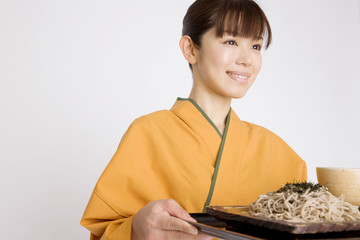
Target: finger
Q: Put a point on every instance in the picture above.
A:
(176, 224)
(174, 209)
(177, 235)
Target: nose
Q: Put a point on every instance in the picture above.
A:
(244, 57)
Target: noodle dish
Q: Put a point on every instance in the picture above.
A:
(304, 203)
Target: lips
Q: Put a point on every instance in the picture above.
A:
(241, 77)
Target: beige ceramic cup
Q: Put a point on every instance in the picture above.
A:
(341, 181)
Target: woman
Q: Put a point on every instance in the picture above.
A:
(198, 153)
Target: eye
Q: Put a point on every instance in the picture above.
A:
(231, 42)
(257, 47)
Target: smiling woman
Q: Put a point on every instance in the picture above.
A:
(224, 67)
(176, 161)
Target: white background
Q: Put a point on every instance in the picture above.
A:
(75, 73)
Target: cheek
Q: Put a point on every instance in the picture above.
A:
(218, 58)
(257, 63)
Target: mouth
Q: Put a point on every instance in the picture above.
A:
(241, 77)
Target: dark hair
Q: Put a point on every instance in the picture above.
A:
(236, 17)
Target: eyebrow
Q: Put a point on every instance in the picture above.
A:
(231, 34)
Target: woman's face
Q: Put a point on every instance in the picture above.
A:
(227, 66)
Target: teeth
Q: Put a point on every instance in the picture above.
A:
(237, 76)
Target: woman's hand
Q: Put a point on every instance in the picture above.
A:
(164, 219)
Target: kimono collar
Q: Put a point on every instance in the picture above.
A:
(191, 113)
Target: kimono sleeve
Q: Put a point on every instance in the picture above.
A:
(292, 165)
(103, 222)
(121, 190)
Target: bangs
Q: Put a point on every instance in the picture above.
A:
(244, 19)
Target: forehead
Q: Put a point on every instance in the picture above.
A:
(244, 20)
(240, 25)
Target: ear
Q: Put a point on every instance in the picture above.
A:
(188, 49)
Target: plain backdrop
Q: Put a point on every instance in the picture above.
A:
(75, 73)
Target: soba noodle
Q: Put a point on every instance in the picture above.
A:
(304, 206)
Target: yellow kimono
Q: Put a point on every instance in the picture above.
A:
(180, 154)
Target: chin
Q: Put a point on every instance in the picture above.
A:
(237, 92)
(238, 95)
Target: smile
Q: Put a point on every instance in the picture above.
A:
(237, 75)
(240, 77)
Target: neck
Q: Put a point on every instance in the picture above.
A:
(216, 107)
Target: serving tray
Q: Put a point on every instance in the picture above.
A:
(235, 216)
(222, 233)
